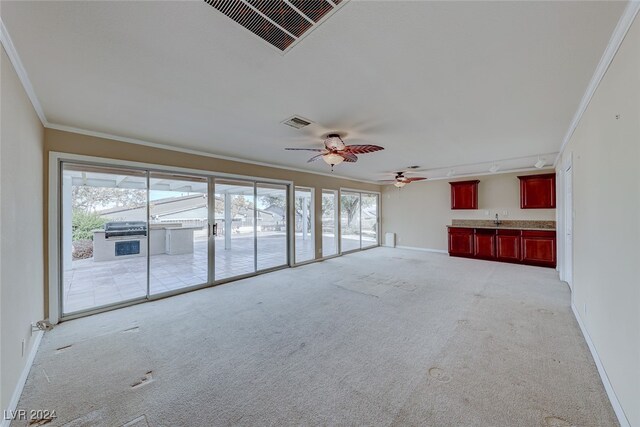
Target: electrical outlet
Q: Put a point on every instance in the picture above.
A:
(505, 213)
(487, 213)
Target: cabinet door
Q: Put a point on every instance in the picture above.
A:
(461, 241)
(464, 194)
(539, 248)
(538, 191)
(508, 246)
(485, 244)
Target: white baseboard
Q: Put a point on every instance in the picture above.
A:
(411, 248)
(622, 418)
(17, 392)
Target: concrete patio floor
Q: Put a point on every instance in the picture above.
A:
(89, 284)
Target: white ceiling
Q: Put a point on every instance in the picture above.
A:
(438, 84)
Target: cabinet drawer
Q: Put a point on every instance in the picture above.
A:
(539, 233)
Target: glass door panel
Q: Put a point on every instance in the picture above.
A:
(305, 239)
(271, 237)
(235, 241)
(329, 223)
(178, 232)
(104, 236)
(349, 221)
(369, 220)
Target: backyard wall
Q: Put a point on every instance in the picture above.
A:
(419, 212)
(605, 153)
(21, 228)
(75, 143)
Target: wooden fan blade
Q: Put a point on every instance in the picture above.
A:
(314, 158)
(306, 149)
(362, 149)
(416, 178)
(348, 157)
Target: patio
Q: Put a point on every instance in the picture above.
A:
(89, 284)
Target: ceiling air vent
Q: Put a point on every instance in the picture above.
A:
(253, 21)
(314, 9)
(297, 122)
(280, 23)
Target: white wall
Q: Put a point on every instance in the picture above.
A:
(420, 212)
(21, 227)
(606, 226)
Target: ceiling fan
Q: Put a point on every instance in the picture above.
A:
(401, 180)
(335, 151)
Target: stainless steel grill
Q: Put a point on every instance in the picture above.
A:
(125, 228)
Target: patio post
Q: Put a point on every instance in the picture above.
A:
(67, 213)
(227, 220)
(305, 212)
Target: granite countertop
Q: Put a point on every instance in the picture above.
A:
(506, 224)
(501, 227)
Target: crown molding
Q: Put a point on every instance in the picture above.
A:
(103, 135)
(619, 33)
(12, 53)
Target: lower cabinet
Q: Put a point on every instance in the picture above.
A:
(461, 241)
(539, 248)
(484, 243)
(508, 245)
(533, 247)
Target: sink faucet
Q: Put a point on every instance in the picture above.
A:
(497, 222)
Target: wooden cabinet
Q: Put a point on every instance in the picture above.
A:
(532, 247)
(461, 241)
(464, 194)
(539, 248)
(538, 191)
(508, 245)
(484, 243)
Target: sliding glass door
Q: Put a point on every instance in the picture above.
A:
(235, 232)
(358, 220)
(250, 226)
(178, 231)
(130, 234)
(349, 221)
(271, 228)
(104, 234)
(329, 222)
(369, 220)
(304, 220)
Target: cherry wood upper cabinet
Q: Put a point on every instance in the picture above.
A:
(538, 191)
(464, 194)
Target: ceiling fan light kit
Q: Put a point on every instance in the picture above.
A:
(399, 184)
(335, 151)
(333, 159)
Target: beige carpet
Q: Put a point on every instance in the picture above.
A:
(381, 337)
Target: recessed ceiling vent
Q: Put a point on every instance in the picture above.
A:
(297, 122)
(281, 23)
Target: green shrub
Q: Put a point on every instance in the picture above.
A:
(83, 224)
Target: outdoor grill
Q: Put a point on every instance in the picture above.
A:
(125, 228)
